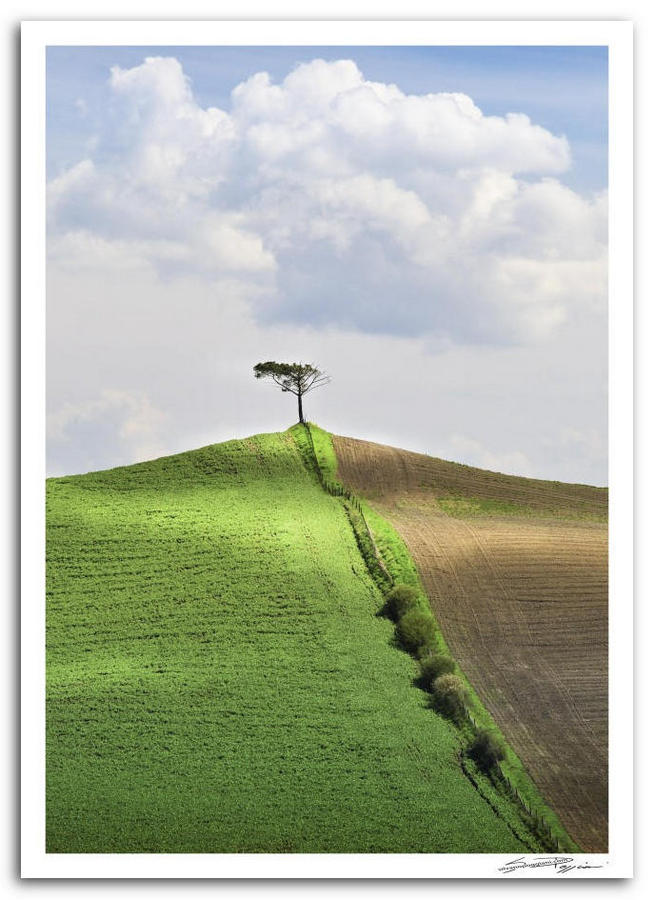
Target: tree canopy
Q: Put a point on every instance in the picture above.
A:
(295, 378)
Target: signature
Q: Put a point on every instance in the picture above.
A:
(561, 864)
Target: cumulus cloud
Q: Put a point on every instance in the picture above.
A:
(334, 219)
(340, 201)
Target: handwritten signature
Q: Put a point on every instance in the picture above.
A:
(561, 864)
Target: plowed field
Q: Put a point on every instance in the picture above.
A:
(516, 571)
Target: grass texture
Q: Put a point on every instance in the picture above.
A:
(477, 507)
(218, 680)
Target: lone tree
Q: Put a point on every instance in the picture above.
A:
(296, 378)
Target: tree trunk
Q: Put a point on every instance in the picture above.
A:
(300, 415)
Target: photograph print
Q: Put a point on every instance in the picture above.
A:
(371, 616)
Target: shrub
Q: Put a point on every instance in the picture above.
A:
(432, 666)
(431, 648)
(449, 696)
(415, 629)
(487, 750)
(400, 600)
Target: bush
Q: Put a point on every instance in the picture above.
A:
(449, 696)
(487, 750)
(432, 648)
(432, 666)
(400, 600)
(415, 629)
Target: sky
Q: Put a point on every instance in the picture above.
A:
(426, 224)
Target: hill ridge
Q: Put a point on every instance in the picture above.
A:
(389, 447)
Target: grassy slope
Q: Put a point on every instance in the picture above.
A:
(400, 565)
(218, 680)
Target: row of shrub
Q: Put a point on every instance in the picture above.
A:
(416, 631)
(416, 628)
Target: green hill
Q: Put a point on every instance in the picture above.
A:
(218, 679)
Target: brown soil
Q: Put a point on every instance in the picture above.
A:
(522, 602)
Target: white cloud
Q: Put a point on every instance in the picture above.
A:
(332, 219)
(376, 124)
(125, 421)
(75, 180)
(185, 347)
(221, 244)
(337, 194)
(471, 452)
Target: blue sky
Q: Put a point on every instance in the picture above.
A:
(427, 224)
(562, 88)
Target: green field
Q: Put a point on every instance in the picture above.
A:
(479, 507)
(218, 678)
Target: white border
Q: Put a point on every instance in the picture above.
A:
(35, 37)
